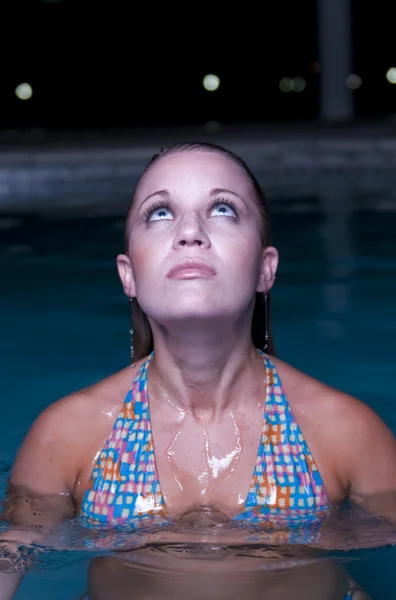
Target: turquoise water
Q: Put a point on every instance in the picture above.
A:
(64, 323)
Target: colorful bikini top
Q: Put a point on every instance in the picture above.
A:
(286, 488)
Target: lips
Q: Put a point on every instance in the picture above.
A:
(191, 268)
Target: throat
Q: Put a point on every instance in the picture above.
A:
(209, 390)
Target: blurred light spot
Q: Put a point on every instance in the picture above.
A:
(286, 84)
(24, 91)
(391, 75)
(299, 84)
(353, 81)
(211, 82)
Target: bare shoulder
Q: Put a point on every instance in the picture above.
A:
(63, 440)
(333, 407)
(349, 430)
(66, 431)
(72, 414)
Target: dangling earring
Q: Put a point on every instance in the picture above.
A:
(266, 312)
(132, 349)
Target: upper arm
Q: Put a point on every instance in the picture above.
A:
(41, 482)
(368, 450)
(39, 493)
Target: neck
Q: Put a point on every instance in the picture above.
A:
(204, 371)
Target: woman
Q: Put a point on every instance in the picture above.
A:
(228, 425)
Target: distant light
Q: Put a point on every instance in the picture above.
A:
(353, 81)
(299, 84)
(391, 75)
(286, 84)
(24, 91)
(211, 82)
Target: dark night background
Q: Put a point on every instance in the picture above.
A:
(116, 65)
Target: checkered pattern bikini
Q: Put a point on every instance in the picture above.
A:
(286, 488)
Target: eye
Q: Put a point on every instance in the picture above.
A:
(158, 212)
(226, 208)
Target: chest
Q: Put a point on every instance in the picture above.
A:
(156, 462)
(201, 463)
(243, 462)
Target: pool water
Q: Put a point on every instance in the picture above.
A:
(64, 323)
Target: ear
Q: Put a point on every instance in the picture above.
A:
(125, 272)
(268, 267)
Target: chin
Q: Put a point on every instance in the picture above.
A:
(190, 307)
(189, 315)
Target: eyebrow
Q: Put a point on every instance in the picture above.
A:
(164, 193)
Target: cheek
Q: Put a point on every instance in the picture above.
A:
(146, 258)
(142, 261)
(244, 253)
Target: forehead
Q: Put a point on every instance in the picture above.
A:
(193, 172)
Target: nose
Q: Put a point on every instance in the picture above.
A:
(191, 232)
